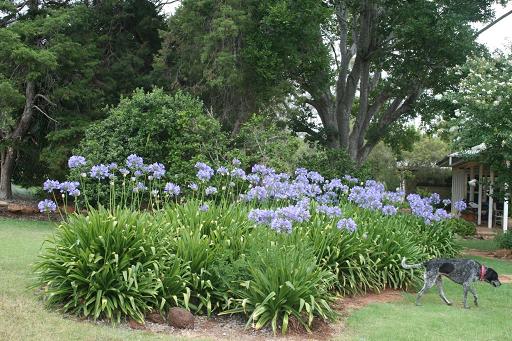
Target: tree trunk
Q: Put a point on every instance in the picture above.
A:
(6, 169)
(20, 130)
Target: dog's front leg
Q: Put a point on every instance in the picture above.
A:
(466, 287)
(475, 296)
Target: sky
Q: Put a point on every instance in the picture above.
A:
(500, 35)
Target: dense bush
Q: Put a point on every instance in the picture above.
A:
(504, 240)
(272, 246)
(461, 227)
(169, 129)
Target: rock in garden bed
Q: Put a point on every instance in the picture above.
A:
(180, 318)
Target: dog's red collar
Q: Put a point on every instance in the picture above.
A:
(483, 270)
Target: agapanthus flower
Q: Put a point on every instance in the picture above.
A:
(113, 166)
(68, 186)
(389, 210)
(134, 161)
(75, 193)
(281, 225)
(124, 171)
(347, 224)
(331, 211)
(447, 202)
(256, 193)
(236, 162)
(253, 178)
(222, 170)
(204, 208)
(238, 173)
(172, 189)
(193, 186)
(460, 205)
(261, 216)
(51, 185)
(46, 206)
(435, 198)
(210, 190)
(315, 177)
(154, 192)
(99, 172)
(351, 179)
(76, 161)
(138, 173)
(139, 187)
(157, 170)
(204, 172)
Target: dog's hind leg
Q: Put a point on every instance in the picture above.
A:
(475, 296)
(439, 284)
(466, 287)
(430, 280)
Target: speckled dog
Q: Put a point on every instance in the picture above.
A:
(461, 271)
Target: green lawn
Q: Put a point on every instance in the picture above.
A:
(479, 244)
(23, 316)
(434, 320)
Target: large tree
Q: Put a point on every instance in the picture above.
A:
(61, 63)
(361, 65)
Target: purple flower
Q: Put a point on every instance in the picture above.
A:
(113, 166)
(447, 202)
(222, 170)
(348, 224)
(238, 173)
(264, 217)
(134, 161)
(75, 193)
(281, 225)
(236, 162)
(68, 186)
(76, 161)
(435, 198)
(389, 210)
(99, 172)
(331, 211)
(139, 187)
(51, 185)
(193, 186)
(124, 171)
(204, 172)
(204, 208)
(253, 178)
(157, 170)
(172, 189)
(46, 206)
(351, 179)
(210, 190)
(315, 177)
(460, 205)
(257, 193)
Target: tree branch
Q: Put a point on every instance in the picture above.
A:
(492, 23)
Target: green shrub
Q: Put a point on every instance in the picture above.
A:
(461, 227)
(173, 130)
(108, 265)
(504, 240)
(331, 163)
(284, 281)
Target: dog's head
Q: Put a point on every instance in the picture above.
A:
(491, 277)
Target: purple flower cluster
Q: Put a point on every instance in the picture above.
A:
(76, 161)
(46, 206)
(134, 161)
(51, 185)
(282, 219)
(460, 205)
(70, 187)
(330, 211)
(210, 190)
(422, 207)
(156, 170)
(172, 189)
(99, 172)
(204, 172)
(347, 223)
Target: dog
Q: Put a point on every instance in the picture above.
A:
(461, 271)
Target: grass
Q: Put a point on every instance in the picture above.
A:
(23, 316)
(479, 244)
(434, 320)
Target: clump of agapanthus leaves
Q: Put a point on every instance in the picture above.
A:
(278, 200)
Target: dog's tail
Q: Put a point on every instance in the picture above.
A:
(410, 266)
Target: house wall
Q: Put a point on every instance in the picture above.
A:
(459, 185)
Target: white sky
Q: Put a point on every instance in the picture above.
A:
(500, 35)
